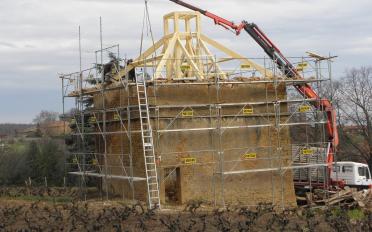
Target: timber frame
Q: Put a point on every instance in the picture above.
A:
(183, 52)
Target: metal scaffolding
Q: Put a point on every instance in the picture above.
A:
(94, 121)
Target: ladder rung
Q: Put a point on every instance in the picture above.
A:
(155, 183)
(147, 145)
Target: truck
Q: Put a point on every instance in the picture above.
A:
(353, 174)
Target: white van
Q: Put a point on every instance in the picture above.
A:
(354, 174)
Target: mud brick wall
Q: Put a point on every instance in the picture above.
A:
(207, 147)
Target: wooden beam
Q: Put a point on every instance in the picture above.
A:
(211, 57)
(190, 61)
(244, 60)
(169, 50)
(142, 57)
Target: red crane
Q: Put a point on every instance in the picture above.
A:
(283, 64)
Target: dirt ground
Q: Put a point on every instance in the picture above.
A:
(53, 215)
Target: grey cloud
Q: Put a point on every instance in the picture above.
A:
(7, 45)
(39, 38)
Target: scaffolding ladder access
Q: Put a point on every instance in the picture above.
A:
(147, 143)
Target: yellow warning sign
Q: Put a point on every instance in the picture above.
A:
(250, 156)
(305, 108)
(92, 120)
(245, 66)
(116, 117)
(248, 110)
(185, 67)
(187, 113)
(302, 66)
(75, 161)
(95, 162)
(73, 121)
(189, 161)
(307, 151)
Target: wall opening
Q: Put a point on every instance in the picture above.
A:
(172, 183)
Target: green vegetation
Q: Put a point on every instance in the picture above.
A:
(36, 160)
(18, 147)
(336, 212)
(356, 214)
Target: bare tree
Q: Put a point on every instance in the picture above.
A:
(45, 117)
(355, 111)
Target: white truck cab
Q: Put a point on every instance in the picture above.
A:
(354, 174)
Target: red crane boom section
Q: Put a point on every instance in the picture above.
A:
(289, 70)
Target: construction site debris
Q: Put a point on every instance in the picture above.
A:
(349, 197)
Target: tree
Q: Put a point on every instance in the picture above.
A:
(355, 111)
(31, 157)
(37, 159)
(46, 116)
(49, 161)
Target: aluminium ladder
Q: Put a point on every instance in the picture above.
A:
(153, 196)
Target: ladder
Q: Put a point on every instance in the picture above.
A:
(153, 196)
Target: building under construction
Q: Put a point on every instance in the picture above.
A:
(191, 119)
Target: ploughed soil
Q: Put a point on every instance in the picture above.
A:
(43, 211)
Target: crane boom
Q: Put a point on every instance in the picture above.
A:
(283, 64)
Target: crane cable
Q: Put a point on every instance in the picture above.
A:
(146, 24)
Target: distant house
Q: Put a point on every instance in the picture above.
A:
(54, 129)
(51, 129)
(29, 132)
(3, 137)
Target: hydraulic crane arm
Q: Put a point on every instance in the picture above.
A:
(283, 64)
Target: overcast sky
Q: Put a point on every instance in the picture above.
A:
(39, 38)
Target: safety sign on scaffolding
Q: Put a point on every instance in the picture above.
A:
(185, 67)
(302, 66)
(116, 117)
(250, 156)
(95, 162)
(187, 113)
(92, 120)
(248, 110)
(307, 151)
(304, 108)
(189, 161)
(245, 66)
